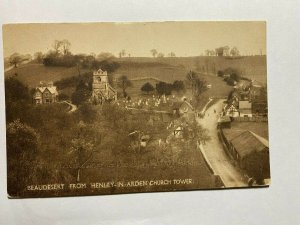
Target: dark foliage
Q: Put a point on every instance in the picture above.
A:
(220, 73)
(82, 93)
(147, 87)
(178, 85)
(164, 88)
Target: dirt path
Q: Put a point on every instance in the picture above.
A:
(218, 159)
(73, 107)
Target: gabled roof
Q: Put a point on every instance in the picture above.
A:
(246, 142)
(177, 105)
(51, 89)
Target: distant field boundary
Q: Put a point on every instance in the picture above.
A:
(147, 78)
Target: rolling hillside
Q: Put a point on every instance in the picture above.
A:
(31, 74)
(253, 67)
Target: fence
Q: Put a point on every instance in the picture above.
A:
(251, 119)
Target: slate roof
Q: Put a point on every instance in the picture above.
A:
(177, 105)
(246, 142)
(52, 89)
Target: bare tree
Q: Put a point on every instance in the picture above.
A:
(56, 46)
(153, 52)
(65, 44)
(171, 54)
(226, 50)
(122, 53)
(234, 51)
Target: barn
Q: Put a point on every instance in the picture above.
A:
(250, 151)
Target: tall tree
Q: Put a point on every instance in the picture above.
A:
(15, 59)
(56, 46)
(124, 83)
(66, 45)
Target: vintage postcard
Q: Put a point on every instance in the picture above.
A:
(111, 108)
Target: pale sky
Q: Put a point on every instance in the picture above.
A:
(183, 38)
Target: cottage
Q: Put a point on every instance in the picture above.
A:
(245, 109)
(231, 110)
(45, 93)
(250, 151)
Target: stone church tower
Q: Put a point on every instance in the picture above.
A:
(102, 91)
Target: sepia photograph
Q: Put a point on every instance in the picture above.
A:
(115, 108)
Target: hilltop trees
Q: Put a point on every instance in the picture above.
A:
(172, 54)
(39, 56)
(153, 52)
(122, 53)
(160, 55)
(15, 59)
(234, 51)
(223, 51)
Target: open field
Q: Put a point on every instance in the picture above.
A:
(31, 74)
(253, 67)
(162, 71)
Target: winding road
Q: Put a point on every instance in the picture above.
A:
(217, 157)
(73, 107)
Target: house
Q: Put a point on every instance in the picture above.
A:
(102, 90)
(182, 108)
(250, 151)
(45, 93)
(231, 110)
(245, 109)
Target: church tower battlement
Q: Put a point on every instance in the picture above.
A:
(101, 88)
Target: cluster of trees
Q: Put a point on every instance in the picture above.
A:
(157, 54)
(16, 59)
(232, 76)
(163, 88)
(223, 51)
(45, 144)
(61, 55)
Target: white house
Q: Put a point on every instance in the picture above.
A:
(245, 109)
